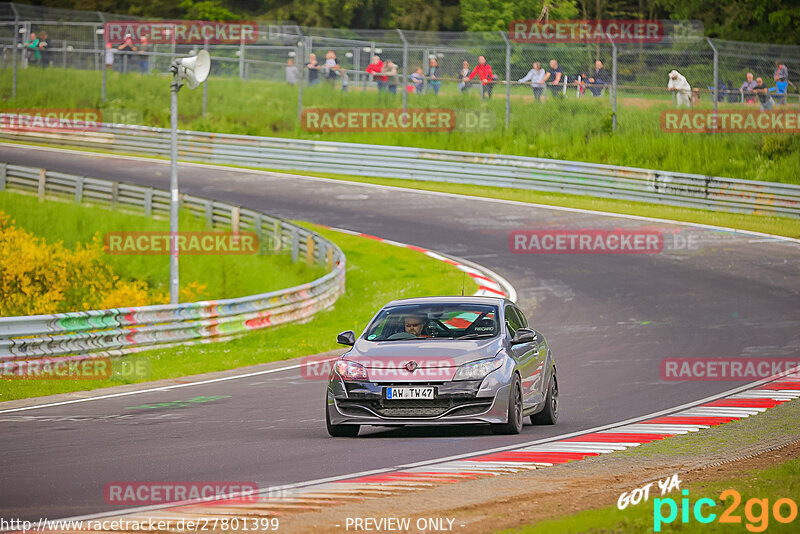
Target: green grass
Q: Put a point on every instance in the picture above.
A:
(225, 276)
(376, 274)
(772, 483)
(781, 481)
(567, 129)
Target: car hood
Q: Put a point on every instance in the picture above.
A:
(431, 359)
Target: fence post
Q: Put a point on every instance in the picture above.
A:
(148, 202)
(716, 81)
(79, 190)
(405, 75)
(369, 60)
(3, 175)
(295, 245)
(301, 68)
(42, 184)
(14, 50)
(205, 82)
(613, 93)
(63, 53)
(508, 77)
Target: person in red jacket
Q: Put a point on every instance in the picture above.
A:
(374, 68)
(484, 72)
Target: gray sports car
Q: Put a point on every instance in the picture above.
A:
(443, 360)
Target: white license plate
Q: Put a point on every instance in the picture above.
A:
(410, 393)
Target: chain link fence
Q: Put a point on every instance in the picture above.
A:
(607, 74)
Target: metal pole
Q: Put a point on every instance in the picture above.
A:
(716, 81)
(103, 86)
(613, 84)
(14, 60)
(369, 60)
(405, 73)
(241, 58)
(205, 84)
(300, 61)
(425, 58)
(173, 186)
(508, 78)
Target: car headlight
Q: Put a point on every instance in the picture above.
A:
(351, 370)
(477, 370)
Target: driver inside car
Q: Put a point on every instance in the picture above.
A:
(414, 325)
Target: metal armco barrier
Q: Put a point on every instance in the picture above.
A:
(605, 181)
(116, 332)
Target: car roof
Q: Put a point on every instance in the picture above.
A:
(496, 301)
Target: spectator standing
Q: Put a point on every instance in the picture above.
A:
(128, 48)
(32, 51)
(144, 55)
(390, 71)
(434, 76)
(484, 73)
(536, 77)
(292, 72)
(331, 66)
(678, 83)
(746, 89)
(555, 73)
(781, 81)
(44, 49)
(417, 81)
(599, 78)
(375, 68)
(463, 85)
(109, 56)
(763, 95)
(313, 69)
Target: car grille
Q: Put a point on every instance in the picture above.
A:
(414, 408)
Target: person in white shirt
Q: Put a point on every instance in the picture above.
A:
(678, 83)
(536, 77)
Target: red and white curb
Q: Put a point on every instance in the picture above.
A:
(738, 404)
(490, 284)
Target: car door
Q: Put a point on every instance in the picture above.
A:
(524, 354)
(538, 360)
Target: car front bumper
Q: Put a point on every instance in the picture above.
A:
(456, 403)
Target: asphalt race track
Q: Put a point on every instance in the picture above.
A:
(610, 319)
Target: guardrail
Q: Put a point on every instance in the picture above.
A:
(116, 332)
(605, 181)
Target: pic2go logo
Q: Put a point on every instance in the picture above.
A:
(756, 511)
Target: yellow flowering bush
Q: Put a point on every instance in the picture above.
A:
(37, 277)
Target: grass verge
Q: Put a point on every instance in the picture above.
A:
(376, 274)
(775, 482)
(569, 129)
(225, 276)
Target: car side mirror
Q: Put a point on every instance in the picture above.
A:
(348, 337)
(525, 335)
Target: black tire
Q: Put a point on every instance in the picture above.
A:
(549, 415)
(340, 431)
(515, 419)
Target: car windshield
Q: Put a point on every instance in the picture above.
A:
(434, 321)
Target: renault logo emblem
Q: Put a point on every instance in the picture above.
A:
(411, 366)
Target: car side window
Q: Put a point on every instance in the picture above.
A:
(512, 320)
(522, 320)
